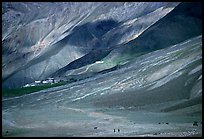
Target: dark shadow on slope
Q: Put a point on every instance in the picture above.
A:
(182, 23)
(90, 34)
(185, 104)
(89, 58)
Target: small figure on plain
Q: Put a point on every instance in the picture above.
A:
(114, 130)
(118, 130)
(195, 123)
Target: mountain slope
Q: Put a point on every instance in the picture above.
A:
(182, 23)
(35, 45)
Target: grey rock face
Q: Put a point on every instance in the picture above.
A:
(40, 38)
(67, 36)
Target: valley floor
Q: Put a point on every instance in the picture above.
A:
(70, 121)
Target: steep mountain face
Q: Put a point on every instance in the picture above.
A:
(36, 45)
(182, 23)
(57, 43)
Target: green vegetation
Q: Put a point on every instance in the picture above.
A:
(27, 90)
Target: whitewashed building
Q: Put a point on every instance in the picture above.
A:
(44, 82)
(37, 82)
(27, 85)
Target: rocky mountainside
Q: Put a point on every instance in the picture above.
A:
(68, 39)
(170, 30)
(41, 38)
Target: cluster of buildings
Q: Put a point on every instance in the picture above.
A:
(38, 82)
